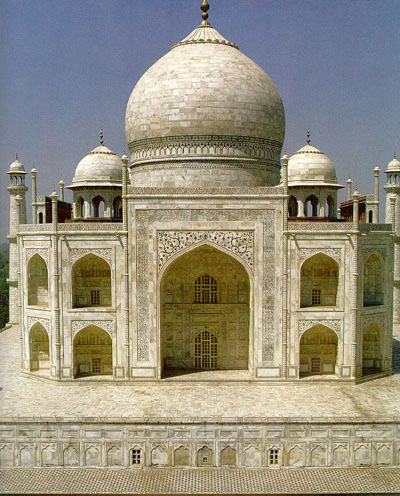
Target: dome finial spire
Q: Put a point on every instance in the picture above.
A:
(101, 137)
(16, 156)
(204, 7)
(308, 137)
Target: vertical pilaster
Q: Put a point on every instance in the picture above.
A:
(376, 194)
(396, 271)
(354, 286)
(55, 294)
(126, 263)
(34, 195)
(285, 160)
(17, 261)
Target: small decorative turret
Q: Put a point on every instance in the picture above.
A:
(17, 190)
(392, 186)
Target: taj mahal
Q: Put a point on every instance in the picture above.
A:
(207, 254)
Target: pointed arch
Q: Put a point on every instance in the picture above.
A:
(39, 348)
(38, 283)
(318, 351)
(98, 204)
(330, 207)
(92, 352)
(117, 208)
(374, 281)
(91, 282)
(311, 206)
(319, 278)
(293, 207)
(372, 349)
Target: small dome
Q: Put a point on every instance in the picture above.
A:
(394, 164)
(100, 167)
(310, 167)
(16, 166)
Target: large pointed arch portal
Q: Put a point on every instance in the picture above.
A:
(204, 314)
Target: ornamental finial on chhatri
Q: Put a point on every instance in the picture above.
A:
(16, 156)
(308, 137)
(101, 137)
(204, 7)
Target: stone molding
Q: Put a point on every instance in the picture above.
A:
(194, 146)
(239, 242)
(77, 253)
(335, 253)
(91, 226)
(378, 318)
(233, 191)
(106, 325)
(34, 320)
(320, 226)
(144, 218)
(42, 252)
(333, 324)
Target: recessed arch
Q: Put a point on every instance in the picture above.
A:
(92, 352)
(79, 207)
(373, 293)
(39, 348)
(372, 349)
(318, 351)
(38, 282)
(117, 208)
(311, 206)
(91, 282)
(292, 207)
(226, 316)
(319, 278)
(98, 204)
(330, 207)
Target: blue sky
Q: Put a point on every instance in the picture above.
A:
(68, 67)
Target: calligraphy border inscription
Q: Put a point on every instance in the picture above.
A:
(144, 218)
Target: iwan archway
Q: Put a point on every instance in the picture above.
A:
(204, 312)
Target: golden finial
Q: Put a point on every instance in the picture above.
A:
(308, 137)
(101, 137)
(16, 156)
(204, 7)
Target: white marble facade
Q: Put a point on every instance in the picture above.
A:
(278, 290)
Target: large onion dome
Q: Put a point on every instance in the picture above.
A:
(205, 115)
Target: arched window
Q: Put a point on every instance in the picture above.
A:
(38, 282)
(370, 217)
(330, 207)
(311, 206)
(91, 282)
(318, 351)
(79, 207)
(205, 351)
(319, 281)
(98, 206)
(205, 289)
(372, 360)
(39, 348)
(92, 352)
(293, 207)
(117, 208)
(373, 281)
(40, 218)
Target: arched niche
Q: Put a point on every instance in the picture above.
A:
(204, 303)
(91, 282)
(319, 281)
(39, 349)
(318, 351)
(373, 281)
(372, 349)
(292, 207)
(117, 208)
(79, 207)
(38, 282)
(98, 204)
(330, 207)
(92, 350)
(311, 206)
(40, 218)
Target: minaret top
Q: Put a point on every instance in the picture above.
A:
(204, 7)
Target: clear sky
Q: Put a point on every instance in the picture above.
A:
(68, 67)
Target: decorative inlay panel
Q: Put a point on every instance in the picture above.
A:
(78, 325)
(34, 320)
(43, 252)
(144, 218)
(378, 318)
(235, 191)
(76, 253)
(335, 253)
(334, 324)
(238, 242)
(213, 146)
